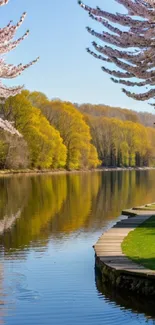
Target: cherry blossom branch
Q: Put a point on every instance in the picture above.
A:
(132, 49)
(8, 70)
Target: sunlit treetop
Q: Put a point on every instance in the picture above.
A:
(131, 46)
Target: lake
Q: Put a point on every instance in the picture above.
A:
(47, 264)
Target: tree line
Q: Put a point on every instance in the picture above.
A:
(145, 118)
(53, 135)
(57, 134)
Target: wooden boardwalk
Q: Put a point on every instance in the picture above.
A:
(108, 247)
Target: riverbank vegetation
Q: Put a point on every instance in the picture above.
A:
(57, 134)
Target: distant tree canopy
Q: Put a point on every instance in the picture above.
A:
(120, 143)
(107, 111)
(145, 118)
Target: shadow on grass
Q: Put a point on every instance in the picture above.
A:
(148, 263)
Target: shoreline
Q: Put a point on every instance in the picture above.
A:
(114, 266)
(12, 172)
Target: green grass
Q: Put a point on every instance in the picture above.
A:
(139, 245)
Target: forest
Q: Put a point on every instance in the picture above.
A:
(60, 135)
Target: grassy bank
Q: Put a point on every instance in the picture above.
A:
(139, 245)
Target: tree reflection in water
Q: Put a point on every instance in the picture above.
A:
(52, 206)
(136, 303)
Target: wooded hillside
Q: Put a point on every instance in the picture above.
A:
(57, 134)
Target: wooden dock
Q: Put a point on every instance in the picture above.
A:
(108, 248)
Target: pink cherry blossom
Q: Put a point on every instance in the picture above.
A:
(128, 43)
(9, 71)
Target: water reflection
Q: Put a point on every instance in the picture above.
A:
(135, 303)
(82, 191)
(45, 206)
(44, 197)
(57, 218)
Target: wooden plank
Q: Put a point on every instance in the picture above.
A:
(108, 247)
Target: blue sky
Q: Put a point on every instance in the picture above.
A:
(59, 37)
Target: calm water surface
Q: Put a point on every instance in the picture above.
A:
(47, 271)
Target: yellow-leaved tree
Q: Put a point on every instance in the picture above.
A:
(75, 133)
(73, 130)
(45, 144)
